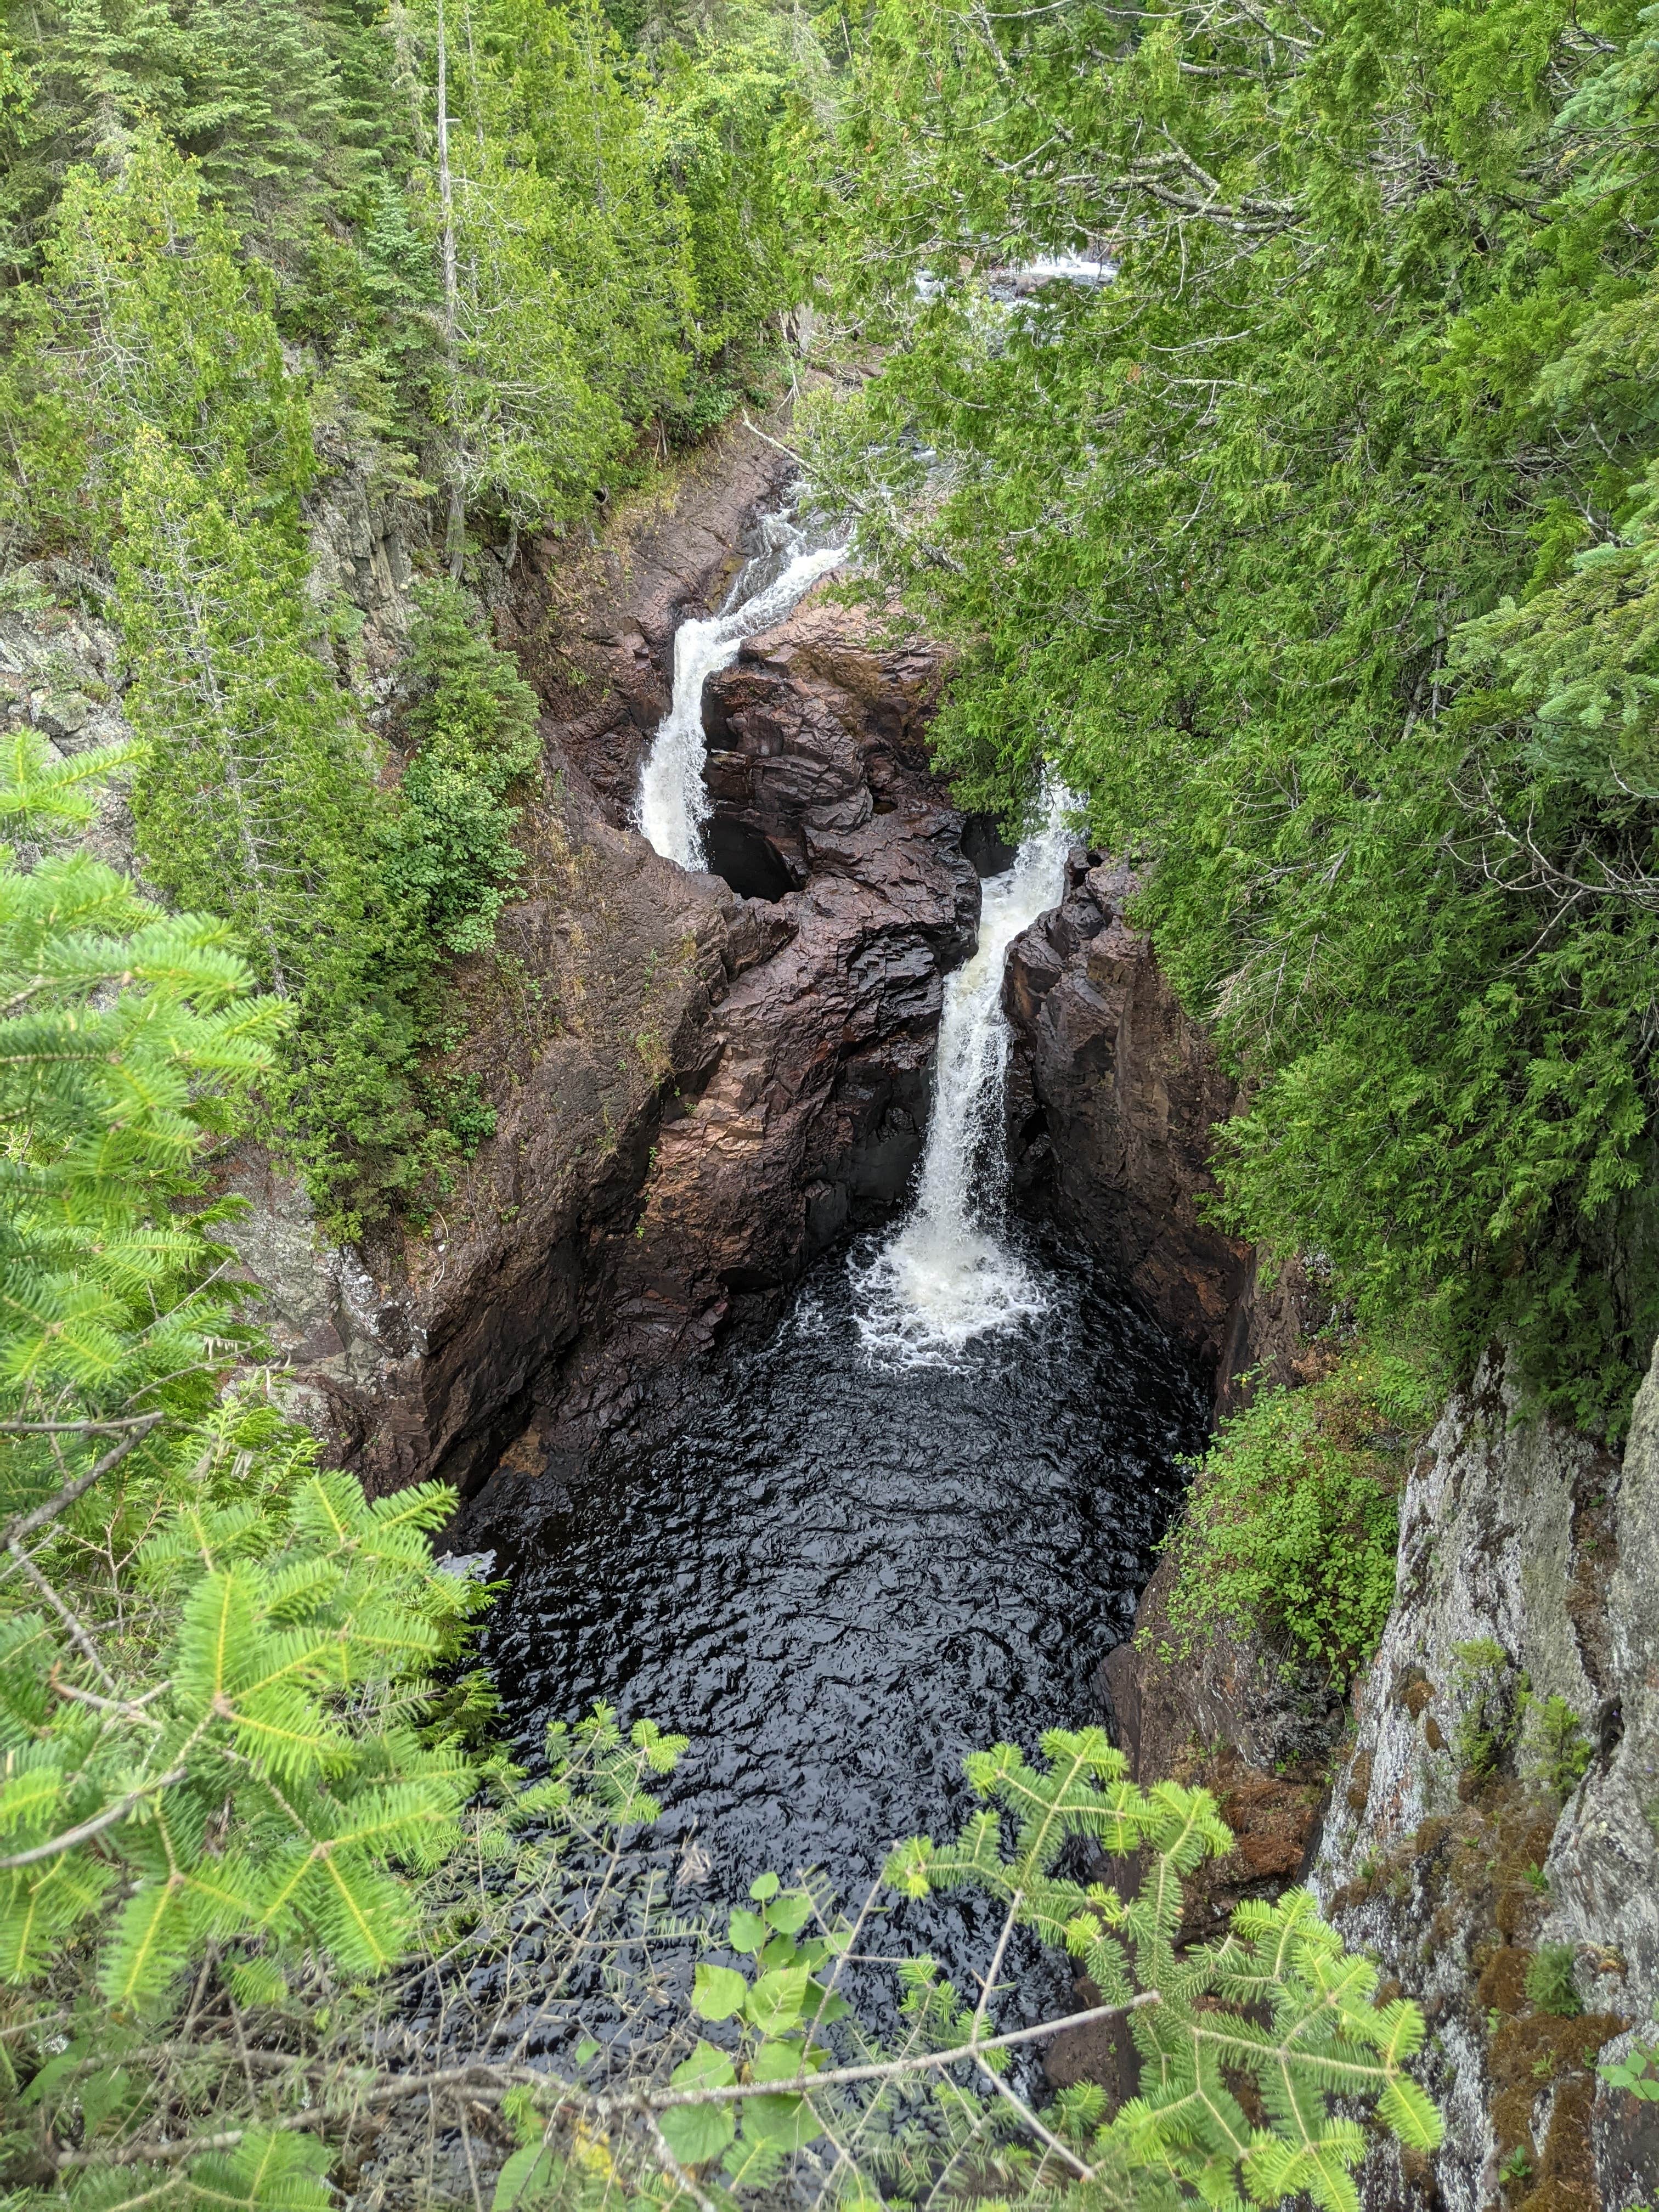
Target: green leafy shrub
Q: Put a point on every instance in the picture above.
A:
(1549, 1981)
(1293, 1520)
(1638, 2074)
(1491, 1694)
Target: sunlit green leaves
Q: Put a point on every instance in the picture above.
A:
(718, 1992)
(697, 2132)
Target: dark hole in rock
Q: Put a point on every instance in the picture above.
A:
(985, 847)
(750, 862)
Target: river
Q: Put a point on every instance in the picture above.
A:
(912, 1522)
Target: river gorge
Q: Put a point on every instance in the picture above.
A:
(907, 1519)
(816, 1342)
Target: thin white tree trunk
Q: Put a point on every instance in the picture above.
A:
(455, 520)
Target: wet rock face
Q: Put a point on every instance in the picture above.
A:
(817, 728)
(816, 1103)
(1114, 1098)
(696, 1090)
(592, 615)
(1468, 1848)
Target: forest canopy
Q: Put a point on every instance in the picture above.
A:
(1314, 548)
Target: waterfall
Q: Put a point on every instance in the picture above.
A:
(673, 803)
(946, 1276)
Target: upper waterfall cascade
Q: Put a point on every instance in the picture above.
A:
(673, 801)
(946, 1276)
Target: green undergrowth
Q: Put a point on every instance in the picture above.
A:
(1289, 1530)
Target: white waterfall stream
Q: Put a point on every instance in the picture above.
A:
(946, 1276)
(673, 801)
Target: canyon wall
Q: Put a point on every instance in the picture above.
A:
(700, 1080)
(1113, 1098)
(696, 1089)
(1478, 1833)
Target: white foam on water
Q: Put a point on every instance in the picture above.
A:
(672, 803)
(946, 1277)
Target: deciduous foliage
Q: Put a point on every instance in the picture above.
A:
(1290, 1528)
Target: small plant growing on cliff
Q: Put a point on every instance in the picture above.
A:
(1489, 1691)
(1292, 1528)
(1549, 1981)
(1560, 1751)
(1637, 2074)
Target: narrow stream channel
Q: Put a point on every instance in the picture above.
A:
(911, 1523)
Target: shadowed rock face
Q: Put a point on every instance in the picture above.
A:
(1114, 1098)
(694, 1090)
(816, 1101)
(817, 728)
(593, 625)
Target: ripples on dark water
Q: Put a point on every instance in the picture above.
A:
(837, 1578)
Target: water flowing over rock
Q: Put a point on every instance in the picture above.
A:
(816, 1096)
(674, 800)
(696, 1089)
(946, 1276)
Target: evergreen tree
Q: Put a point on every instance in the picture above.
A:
(1210, 532)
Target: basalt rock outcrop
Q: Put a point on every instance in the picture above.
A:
(694, 1090)
(1114, 1097)
(592, 616)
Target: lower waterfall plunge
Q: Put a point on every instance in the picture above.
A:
(947, 1277)
(673, 804)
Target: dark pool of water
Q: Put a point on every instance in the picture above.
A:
(837, 1578)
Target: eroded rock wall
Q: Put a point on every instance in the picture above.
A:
(1114, 1098)
(694, 1090)
(1457, 1849)
(816, 1099)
